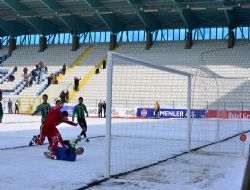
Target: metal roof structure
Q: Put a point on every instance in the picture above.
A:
(19, 17)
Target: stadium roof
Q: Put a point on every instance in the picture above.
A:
(19, 17)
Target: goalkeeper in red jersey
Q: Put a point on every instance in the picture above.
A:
(48, 128)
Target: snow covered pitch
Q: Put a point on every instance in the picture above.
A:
(220, 166)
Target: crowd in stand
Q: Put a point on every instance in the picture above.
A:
(11, 76)
(52, 79)
(38, 74)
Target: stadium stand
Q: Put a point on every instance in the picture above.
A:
(215, 56)
(54, 57)
(230, 63)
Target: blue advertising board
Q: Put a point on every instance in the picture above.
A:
(169, 113)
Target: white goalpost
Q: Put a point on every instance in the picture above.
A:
(109, 100)
(200, 110)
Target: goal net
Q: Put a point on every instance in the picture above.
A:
(198, 108)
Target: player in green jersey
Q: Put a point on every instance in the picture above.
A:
(80, 110)
(44, 108)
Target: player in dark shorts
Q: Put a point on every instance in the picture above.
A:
(80, 110)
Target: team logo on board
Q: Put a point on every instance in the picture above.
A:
(144, 112)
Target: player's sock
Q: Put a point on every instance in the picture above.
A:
(53, 157)
(85, 136)
(82, 133)
(31, 143)
(78, 139)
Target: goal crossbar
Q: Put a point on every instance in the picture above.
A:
(128, 59)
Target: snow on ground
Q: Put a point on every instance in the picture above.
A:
(196, 171)
(216, 167)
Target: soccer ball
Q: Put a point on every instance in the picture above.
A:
(243, 137)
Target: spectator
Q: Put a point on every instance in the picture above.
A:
(104, 108)
(41, 76)
(55, 79)
(67, 96)
(49, 80)
(64, 69)
(104, 64)
(11, 77)
(25, 70)
(157, 109)
(10, 106)
(33, 74)
(76, 81)
(26, 80)
(30, 81)
(15, 69)
(40, 65)
(62, 97)
(45, 70)
(17, 105)
(100, 109)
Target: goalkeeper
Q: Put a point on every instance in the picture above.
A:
(69, 153)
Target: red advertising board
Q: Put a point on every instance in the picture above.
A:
(231, 114)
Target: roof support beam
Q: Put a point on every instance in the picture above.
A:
(230, 15)
(74, 23)
(187, 16)
(16, 5)
(12, 28)
(146, 18)
(52, 5)
(110, 20)
(42, 26)
(3, 33)
(231, 19)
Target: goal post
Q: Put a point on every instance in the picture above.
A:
(108, 115)
(109, 100)
(204, 109)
